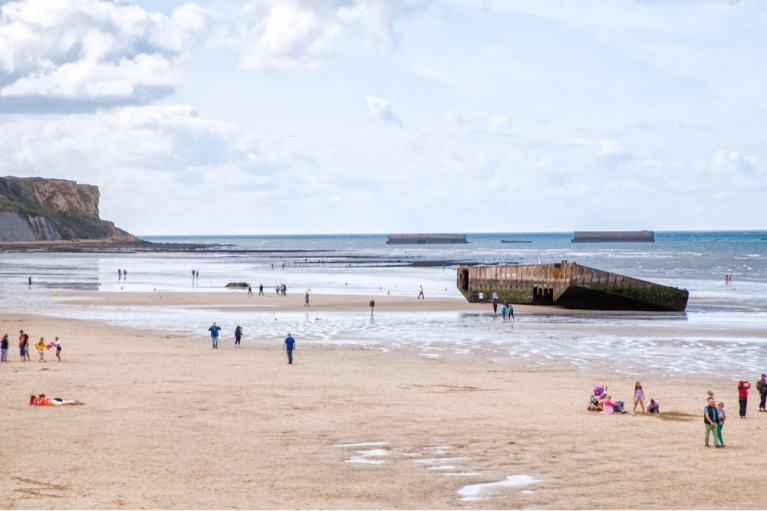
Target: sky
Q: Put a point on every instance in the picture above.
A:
(373, 116)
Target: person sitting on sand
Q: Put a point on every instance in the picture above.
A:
(594, 400)
(609, 406)
(653, 407)
(56, 401)
(40, 347)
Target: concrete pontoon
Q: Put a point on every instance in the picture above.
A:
(425, 239)
(569, 285)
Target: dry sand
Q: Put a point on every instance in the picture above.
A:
(170, 423)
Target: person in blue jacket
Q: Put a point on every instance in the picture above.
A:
(214, 330)
(289, 346)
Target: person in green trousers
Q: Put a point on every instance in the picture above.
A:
(720, 418)
(710, 420)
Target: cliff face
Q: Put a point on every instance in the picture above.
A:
(36, 209)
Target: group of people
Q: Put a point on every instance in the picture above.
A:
(40, 346)
(281, 289)
(122, 274)
(195, 274)
(728, 280)
(743, 388)
(714, 415)
(215, 331)
(601, 401)
(506, 309)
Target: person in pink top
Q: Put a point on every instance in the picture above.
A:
(608, 406)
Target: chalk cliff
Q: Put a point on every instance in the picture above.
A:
(37, 209)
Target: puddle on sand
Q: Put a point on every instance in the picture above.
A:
(436, 461)
(365, 457)
(362, 444)
(472, 491)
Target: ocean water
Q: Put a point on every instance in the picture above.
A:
(723, 331)
(364, 264)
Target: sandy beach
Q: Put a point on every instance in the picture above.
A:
(170, 423)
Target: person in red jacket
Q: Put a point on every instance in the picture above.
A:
(743, 387)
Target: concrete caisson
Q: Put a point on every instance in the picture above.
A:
(569, 285)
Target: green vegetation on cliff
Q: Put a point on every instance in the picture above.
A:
(71, 208)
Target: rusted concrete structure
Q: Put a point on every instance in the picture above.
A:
(613, 237)
(425, 239)
(569, 285)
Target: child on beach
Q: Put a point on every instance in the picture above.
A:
(58, 348)
(720, 418)
(237, 335)
(503, 311)
(40, 347)
(653, 407)
(638, 396)
(743, 387)
(608, 406)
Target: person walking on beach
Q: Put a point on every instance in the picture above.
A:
(237, 335)
(638, 397)
(289, 346)
(57, 344)
(761, 386)
(260, 289)
(119, 274)
(214, 330)
(720, 418)
(306, 299)
(372, 306)
(284, 290)
(277, 289)
(250, 290)
(420, 293)
(29, 281)
(4, 349)
(495, 305)
(710, 420)
(40, 347)
(503, 311)
(197, 274)
(743, 387)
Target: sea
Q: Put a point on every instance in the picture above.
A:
(727, 322)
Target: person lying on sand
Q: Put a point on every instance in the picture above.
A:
(41, 400)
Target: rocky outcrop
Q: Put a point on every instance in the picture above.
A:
(37, 209)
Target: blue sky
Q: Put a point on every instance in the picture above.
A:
(353, 116)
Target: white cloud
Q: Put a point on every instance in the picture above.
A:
(381, 108)
(287, 35)
(93, 49)
(611, 148)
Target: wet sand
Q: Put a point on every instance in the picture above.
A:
(171, 423)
